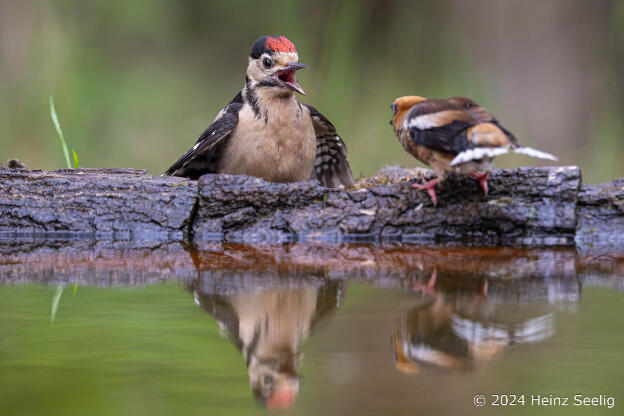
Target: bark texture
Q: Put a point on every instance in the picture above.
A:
(600, 216)
(120, 203)
(525, 207)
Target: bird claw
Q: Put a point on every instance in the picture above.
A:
(429, 187)
(482, 177)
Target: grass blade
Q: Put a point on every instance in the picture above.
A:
(76, 162)
(57, 125)
(55, 302)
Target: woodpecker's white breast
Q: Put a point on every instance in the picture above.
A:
(277, 144)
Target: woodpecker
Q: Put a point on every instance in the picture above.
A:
(266, 132)
(454, 135)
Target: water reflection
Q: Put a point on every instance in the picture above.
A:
(446, 311)
(462, 322)
(268, 320)
(458, 319)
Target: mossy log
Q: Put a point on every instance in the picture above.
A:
(545, 206)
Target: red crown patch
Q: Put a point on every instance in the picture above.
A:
(279, 44)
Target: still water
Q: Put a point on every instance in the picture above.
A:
(103, 329)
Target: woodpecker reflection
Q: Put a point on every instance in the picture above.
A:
(459, 326)
(268, 325)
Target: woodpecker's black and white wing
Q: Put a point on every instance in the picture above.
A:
(331, 167)
(203, 157)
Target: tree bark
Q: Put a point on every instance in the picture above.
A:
(95, 203)
(525, 207)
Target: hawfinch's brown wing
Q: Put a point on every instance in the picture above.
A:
(485, 118)
(454, 125)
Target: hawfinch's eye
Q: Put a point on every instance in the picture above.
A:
(267, 62)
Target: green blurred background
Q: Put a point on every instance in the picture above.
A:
(135, 82)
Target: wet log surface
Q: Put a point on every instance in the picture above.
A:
(525, 207)
(219, 268)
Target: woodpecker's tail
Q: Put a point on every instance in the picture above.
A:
(479, 153)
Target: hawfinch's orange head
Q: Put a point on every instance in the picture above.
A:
(401, 106)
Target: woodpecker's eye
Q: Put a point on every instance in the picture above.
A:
(267, 62)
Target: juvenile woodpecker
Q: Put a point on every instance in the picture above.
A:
(453, 135)
(266, 132)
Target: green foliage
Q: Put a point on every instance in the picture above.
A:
(140, 81)
(59, 131)
(57, 126)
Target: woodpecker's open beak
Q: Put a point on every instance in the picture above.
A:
(287, 76)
